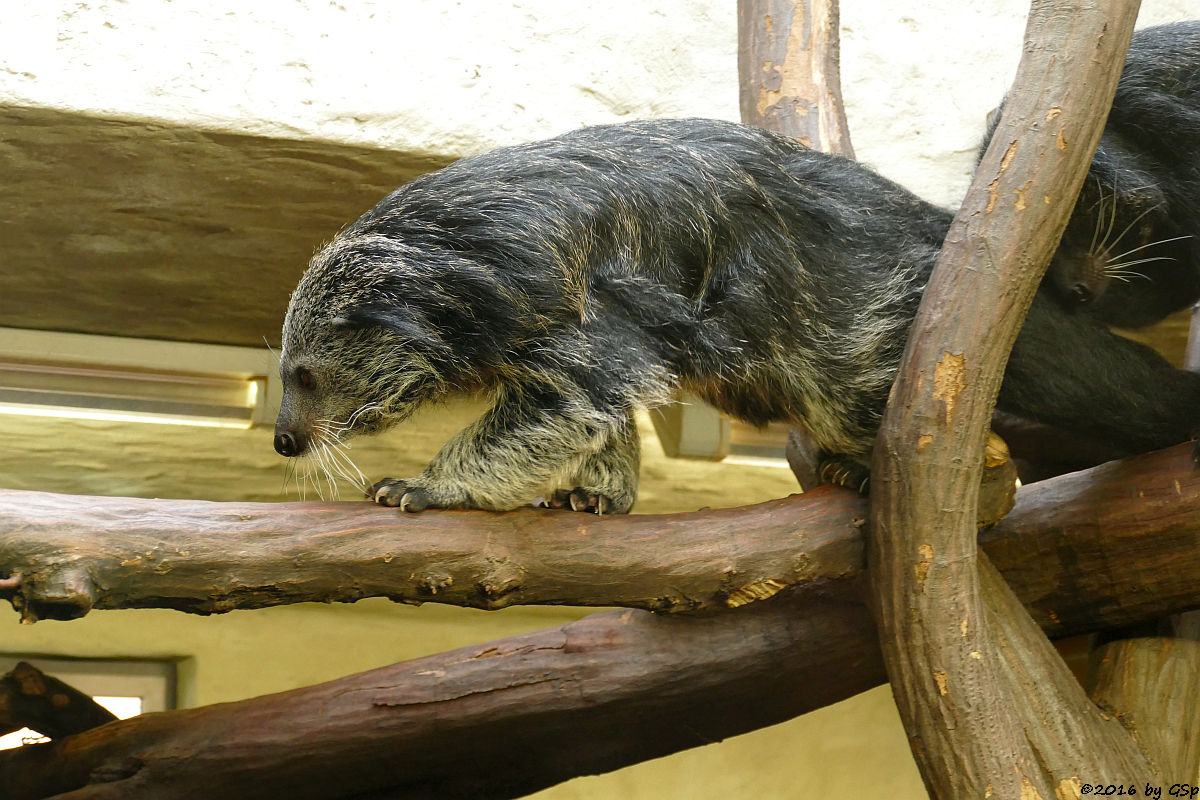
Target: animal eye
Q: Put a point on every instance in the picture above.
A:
(305, 378)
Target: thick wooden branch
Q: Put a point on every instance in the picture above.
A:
(74, 553)
(497, 720)
(1114, 545)
(960, 692)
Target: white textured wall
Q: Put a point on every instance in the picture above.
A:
(434, 76)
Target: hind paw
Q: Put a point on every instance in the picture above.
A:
(845, 472)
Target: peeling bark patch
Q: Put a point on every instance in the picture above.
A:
(963, 627)
(978, 656)
(1009, 155)
(923, 441)
(1069, 789)
(1020, 193)
(940, 678)
(1061, 141)
(921, 568)
(993, 187)
(948, 381)
(993, 196)
(752, 592)
(534, 680)
(1028, 792)
(766, 99)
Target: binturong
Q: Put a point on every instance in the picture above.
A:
(1131, 252)
(574, 280)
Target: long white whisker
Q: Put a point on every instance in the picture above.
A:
(337, 458)
(1143, 247)
(327, 458)
(1096, 228)
(270, 349)
(289, 474)
(1112, 218)
(1134, 221)
(1122, 264)
(322, 454)
(347, 469)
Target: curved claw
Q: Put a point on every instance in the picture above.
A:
(580, 499)
(847, 474)
(396, 493)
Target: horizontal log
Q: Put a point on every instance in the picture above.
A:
(1110, 532)
(495, 720)
(74, 553)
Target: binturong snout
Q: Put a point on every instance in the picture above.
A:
(289, 443)
(291, 425)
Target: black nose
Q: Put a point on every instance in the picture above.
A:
(287, 445)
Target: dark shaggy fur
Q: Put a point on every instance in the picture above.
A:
(576, 279)
(1131, 252)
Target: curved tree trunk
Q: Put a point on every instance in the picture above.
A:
(988, 706)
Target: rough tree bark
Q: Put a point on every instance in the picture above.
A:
(990, 710)
(788, 71)
(72, 553)
(1115, 545)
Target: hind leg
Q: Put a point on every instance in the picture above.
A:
(846, 471)
(606, 481)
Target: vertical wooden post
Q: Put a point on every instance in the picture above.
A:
(990, 710)
(789, 71)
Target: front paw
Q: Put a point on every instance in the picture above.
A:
(400, 494)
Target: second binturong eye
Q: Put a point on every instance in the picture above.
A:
(305, 378)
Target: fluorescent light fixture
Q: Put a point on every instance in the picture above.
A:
(45, 374)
